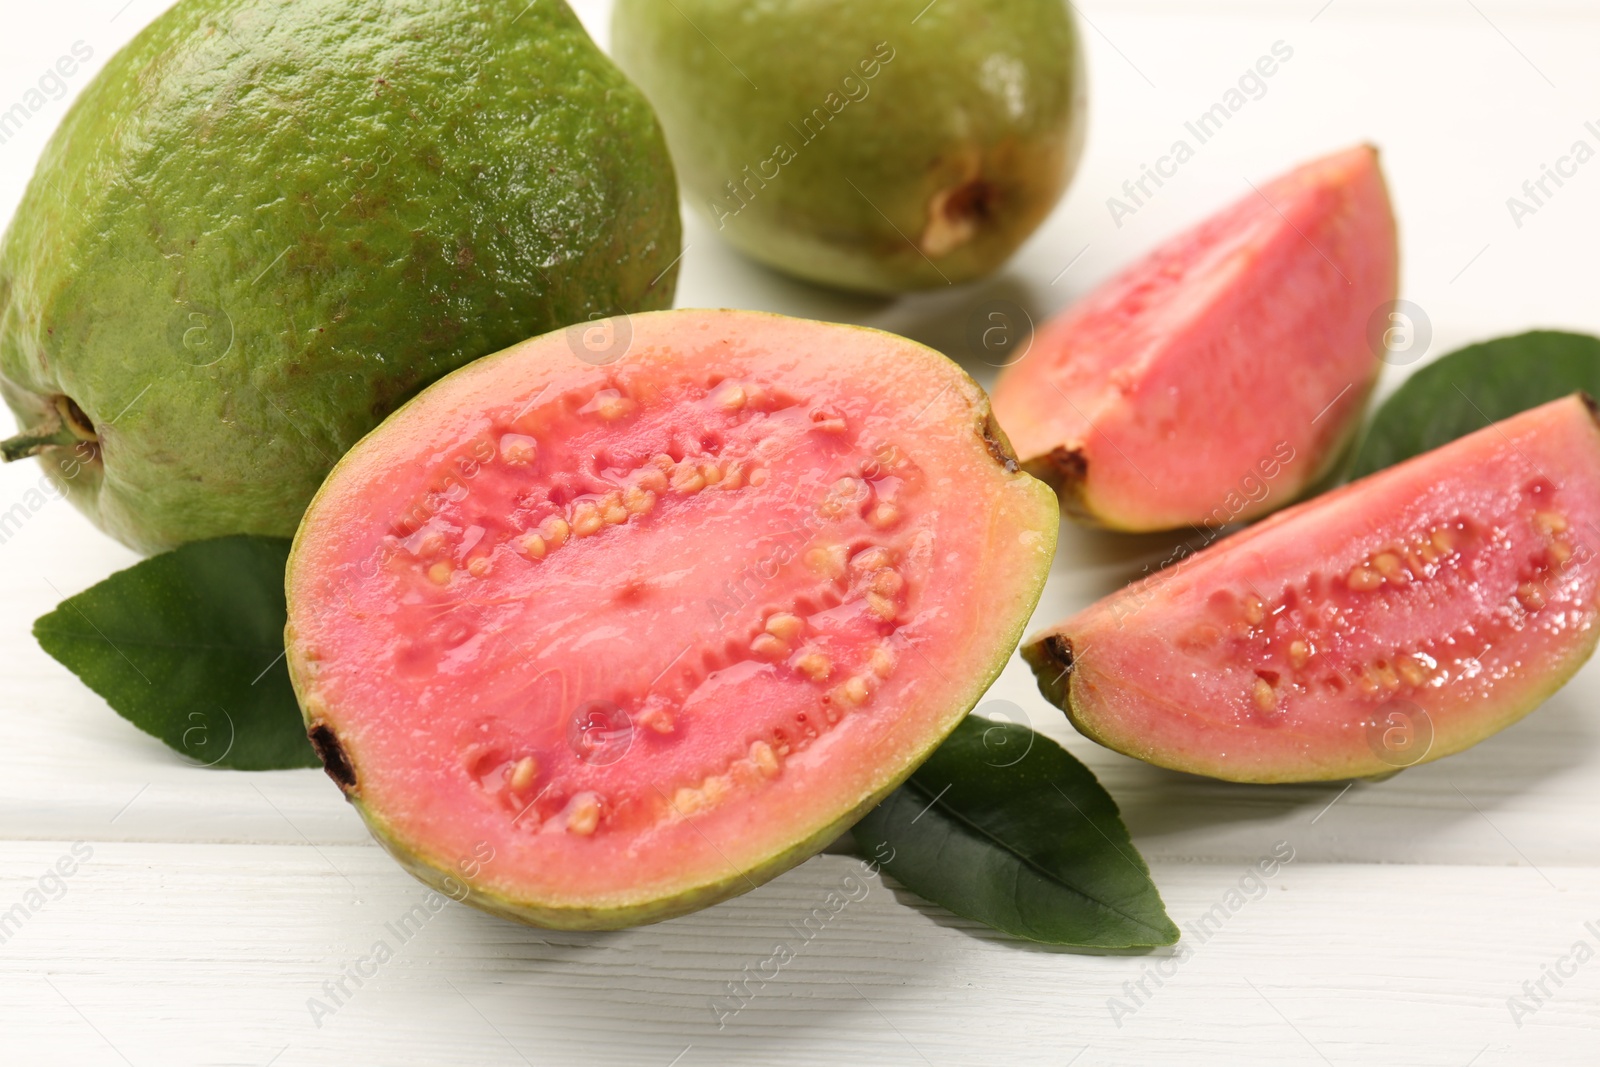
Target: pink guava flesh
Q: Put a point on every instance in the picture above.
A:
(1224, 373)
(1398, 619)
(607, 643)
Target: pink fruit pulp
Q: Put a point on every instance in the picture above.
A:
(1398, 619)
(648, 633)
(1222, 374)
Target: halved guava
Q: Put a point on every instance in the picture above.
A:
(1396, 620)
(1224, 373)
(599, 643)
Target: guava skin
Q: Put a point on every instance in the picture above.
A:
(942, 134)
(264, 226)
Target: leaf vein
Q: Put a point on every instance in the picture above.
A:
(1034, 865)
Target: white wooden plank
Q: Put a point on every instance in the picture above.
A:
(180, 954)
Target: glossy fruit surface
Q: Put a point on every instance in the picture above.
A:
(651, 631)
(883, 146)
(264, 225)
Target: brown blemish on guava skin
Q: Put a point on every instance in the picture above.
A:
(334, 761)
(999, 446)
(64, 425)
(956, 215)
(1070, 465)
(75, 419)
(1053, 660)
(1066, 470)
(1058, 649)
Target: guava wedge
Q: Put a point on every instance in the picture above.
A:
(1225, 372)
(647, 633)
(1396, 620)
(265, 224)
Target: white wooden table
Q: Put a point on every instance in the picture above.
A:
(214, 905)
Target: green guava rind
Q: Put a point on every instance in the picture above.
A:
(992, 90)
(263, 226)
(1057, 689)
(440, 874)
(434, 873)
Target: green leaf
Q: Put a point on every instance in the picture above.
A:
(1004, 826)
(1467, 390)
(188, 646)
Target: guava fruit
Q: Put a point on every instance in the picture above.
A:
(264, 225)
(883, 147)
(1396, 620)
(1225, 372)
(649, 632)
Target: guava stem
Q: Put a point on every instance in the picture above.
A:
(31, 444)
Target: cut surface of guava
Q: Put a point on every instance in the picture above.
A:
(1396, 620)
(648, 632)
(1224, 373)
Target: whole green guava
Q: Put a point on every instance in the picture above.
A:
(881, 146)
(267, 223)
